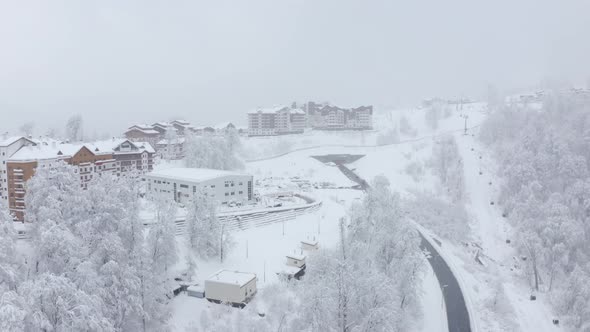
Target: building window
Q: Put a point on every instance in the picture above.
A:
(184, 186)
(226, 194)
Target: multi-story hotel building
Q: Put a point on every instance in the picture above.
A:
(156, 135)
(329, 117)
(117, 156)
(8, 147)
(292, 120)
(276, 121)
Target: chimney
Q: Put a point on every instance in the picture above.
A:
(53, 144)
(5, 135)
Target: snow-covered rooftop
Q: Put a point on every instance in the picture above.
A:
(269, 110)
(275, 109)
(54, 150)
(9, 140)
(144, 146)
(310, 242)
(144, 130)
(142, 126)
(297, 257)
(181, 122)
(232, 277)
(161, 124)
(192, 174)
(178, 140)
(43, 152)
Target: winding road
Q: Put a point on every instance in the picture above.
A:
(457, 314)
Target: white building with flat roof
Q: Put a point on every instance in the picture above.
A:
(230, 287)
(182, 184)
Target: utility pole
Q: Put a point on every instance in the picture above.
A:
(221, 244)
(465, 116)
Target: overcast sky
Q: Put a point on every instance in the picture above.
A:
(120, 62)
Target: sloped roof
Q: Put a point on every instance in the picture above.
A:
(66, 150)
(143, 130)
(11, 140)
(178, 140)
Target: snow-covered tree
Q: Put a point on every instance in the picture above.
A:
(433, 115)
(211, 152)
(232, 138)
(171, 138)
(544, 161)
(448, 166)
(370, 282)
(54, 303)
(74, 128)
(446, 219)
(405, 128)
(154, 290)
(12, 311)
(27, 128)
(9, 267)
(204, 228)
(494, 98)
(94, 240)
(390, 136)
(161, 241)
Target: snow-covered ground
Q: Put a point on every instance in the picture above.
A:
(262, 250)
(490, 231)
(496, 291)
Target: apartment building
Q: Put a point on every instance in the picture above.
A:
(279, 120)
(329, 117)
(172, 149)
(143, 133)
(118, 157)
(156, 135)
(8, 147)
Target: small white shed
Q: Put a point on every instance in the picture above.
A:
(310, 245)
(196, 291)
(232, 287)
(296, 260)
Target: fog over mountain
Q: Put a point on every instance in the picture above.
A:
(111, 61)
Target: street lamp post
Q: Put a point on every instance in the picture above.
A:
(465, 116)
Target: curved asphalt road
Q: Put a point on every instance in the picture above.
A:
(457, 314)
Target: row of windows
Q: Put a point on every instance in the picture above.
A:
(230, 184)
(233, 193)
